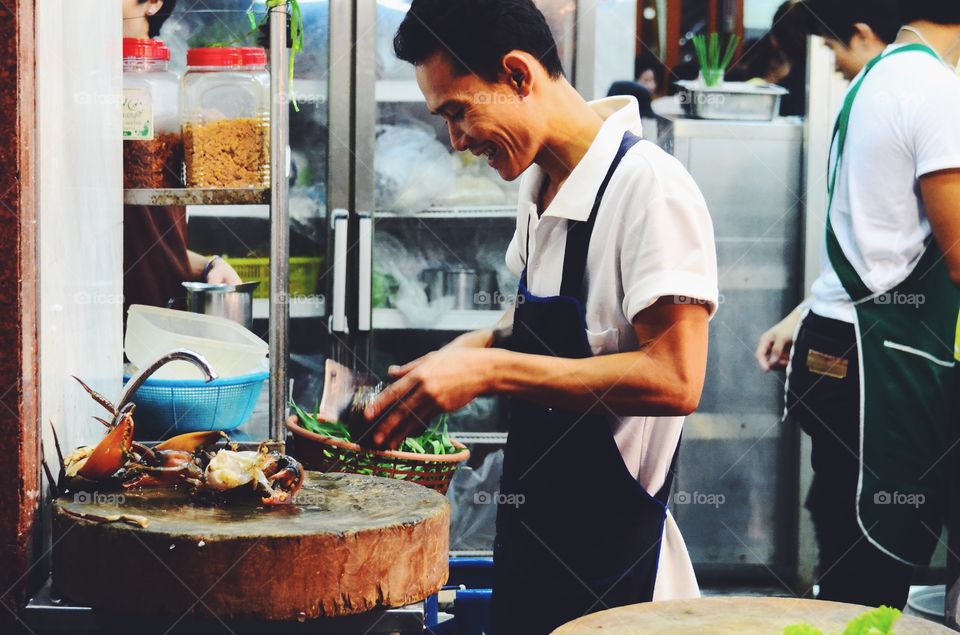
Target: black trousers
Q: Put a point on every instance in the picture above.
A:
(827, 407)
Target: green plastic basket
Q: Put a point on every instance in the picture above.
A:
(304, 274)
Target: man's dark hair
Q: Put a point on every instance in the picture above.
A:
(835, 18)
(938, 11)
(156, 20)
(476, 34)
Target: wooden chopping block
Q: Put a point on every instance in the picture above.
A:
(348, 544)
(733, 616)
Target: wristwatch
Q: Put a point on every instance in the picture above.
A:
(207, 267)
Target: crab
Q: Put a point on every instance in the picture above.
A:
(277, 477)
(184, 461)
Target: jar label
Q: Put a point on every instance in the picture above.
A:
(137, 114)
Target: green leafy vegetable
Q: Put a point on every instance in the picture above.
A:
(434, 440)
(879, 621)
(876, 622)
(332, 429)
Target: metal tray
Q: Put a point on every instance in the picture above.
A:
(732, 101)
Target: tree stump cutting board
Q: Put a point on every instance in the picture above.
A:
(733, 616)
(348, 544)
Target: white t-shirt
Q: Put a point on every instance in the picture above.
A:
(653, 237)
(905, 123)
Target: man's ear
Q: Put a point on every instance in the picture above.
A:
(518, 72)
(863, 37)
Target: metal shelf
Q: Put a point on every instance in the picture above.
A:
(466, 320)
(300, 307)
(198, 196)
(456, 212)
(480, 438)
(229, 211)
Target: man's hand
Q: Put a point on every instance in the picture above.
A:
(773, 350)
(222, 273)
(442, 381)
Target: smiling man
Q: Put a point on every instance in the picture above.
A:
(606, 350)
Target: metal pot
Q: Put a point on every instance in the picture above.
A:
(234, 302)
(461, 283)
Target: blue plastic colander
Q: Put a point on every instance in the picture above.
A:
(172, 406)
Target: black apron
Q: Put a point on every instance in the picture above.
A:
(576, 532)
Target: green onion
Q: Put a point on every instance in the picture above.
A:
(713, 63)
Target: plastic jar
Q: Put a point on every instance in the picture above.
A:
(225, 112)
(152, 148)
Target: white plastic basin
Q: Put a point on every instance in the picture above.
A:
(230, 348)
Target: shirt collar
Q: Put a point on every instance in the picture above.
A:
(577, 195)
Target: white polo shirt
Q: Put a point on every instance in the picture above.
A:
(653, 237)
(898, 133)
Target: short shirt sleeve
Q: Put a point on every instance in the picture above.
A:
(933, 121)
(667, 246)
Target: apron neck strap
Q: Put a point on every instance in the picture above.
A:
(848, 275)
(579, 233)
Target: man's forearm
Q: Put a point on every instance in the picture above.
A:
(197, 263)
(628, 384)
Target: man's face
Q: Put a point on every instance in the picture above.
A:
(485, 118)
(852, 56)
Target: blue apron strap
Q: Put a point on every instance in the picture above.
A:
(579, 233)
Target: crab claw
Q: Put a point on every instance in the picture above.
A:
(285, 482)
(192, 441)
(111, 453)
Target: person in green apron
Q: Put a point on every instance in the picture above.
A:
(872, 370)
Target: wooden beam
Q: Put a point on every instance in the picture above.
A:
(19, 382)
(674, 14)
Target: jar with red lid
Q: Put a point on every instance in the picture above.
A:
(152, 148)
(225, 115)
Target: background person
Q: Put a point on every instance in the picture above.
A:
(871, 374)
(155, 256)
